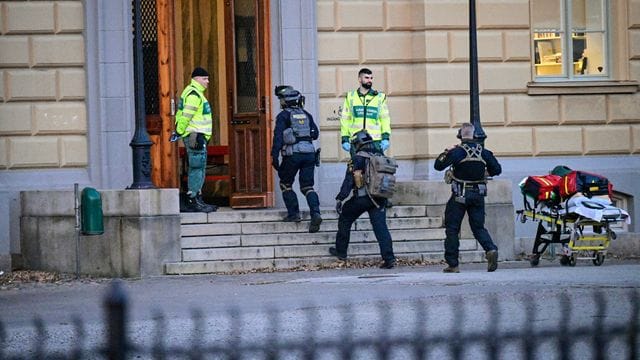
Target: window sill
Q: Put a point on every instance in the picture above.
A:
(582, 87)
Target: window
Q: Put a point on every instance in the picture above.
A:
(621, 201)
(570, 39)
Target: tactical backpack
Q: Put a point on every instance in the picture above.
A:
(379, 175)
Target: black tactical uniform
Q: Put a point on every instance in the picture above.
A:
(360, 202)
(469, 160)
(292, 138)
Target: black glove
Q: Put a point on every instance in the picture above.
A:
(275, 162)
(339, 206)
(193, 141)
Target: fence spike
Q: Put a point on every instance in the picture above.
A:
(419, 342)
(158, 350)
(458, 320)
(41, 338)
(78, 327)
(632, 333)
(599, 343)
(115, 304)
(492, 328)
(564, 341)
(233, 343)
(309, 351)
(196, 334)
(346, 345)
(3, 339)
(529, 337)
(272, 338)
(383, 340)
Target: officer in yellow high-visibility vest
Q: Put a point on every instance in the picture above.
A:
(194, 124)
(365, 108)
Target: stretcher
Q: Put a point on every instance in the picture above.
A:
(581, 224)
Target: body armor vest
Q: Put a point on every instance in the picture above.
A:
(473, 163)
(297, 138)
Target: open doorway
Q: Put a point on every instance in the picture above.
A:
(199, 41)
(231, 40)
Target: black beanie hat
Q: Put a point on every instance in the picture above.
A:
(199, 72)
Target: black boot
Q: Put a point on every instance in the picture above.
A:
(207, 207)
(314, 207)
(314, 225)
(192, 205)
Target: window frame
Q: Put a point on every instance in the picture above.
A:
(566, 27)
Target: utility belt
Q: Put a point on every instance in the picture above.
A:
(461, 188)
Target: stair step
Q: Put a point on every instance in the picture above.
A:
(279, 227)
(206, 267)
(228, 215)
(243, 240)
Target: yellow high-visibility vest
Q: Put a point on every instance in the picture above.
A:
(194, 112)
(369, 111)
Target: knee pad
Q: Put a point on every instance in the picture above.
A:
(306, 190)
(285, 187)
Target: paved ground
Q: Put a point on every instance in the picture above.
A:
(332, 298)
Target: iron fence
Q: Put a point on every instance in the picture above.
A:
(596, 339)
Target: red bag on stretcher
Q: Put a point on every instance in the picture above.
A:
(542, 188)
(586, 183)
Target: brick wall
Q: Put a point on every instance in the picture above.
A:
(43, 119)
(418, 51)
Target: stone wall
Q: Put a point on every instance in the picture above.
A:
(141, 233)
(418, 51)
(42, 85)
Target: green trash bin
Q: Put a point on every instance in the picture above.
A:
(91, 212)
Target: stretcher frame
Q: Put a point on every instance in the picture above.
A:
(556, 226)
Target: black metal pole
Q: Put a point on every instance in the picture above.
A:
(473, 75)
(141, 143)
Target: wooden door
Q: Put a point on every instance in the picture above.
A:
(248, 106)
(157, 40)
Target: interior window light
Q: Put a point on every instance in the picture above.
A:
(570, 39)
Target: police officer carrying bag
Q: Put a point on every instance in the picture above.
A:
(370, 179)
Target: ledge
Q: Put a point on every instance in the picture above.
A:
(582, 87)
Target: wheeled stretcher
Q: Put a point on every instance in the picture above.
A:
(581, 224)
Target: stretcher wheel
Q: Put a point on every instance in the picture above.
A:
(564, 260)
(572, 260)
(598, 258)
(535, 260)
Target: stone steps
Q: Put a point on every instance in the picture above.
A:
(243, 240)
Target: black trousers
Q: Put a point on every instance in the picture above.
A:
(351, 211)
(453, 215)
(303, 163)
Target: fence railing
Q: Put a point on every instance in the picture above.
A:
(564, 339)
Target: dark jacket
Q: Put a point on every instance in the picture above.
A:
(468, 170)
(283, 121)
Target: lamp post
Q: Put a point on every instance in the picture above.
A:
(141, 143)
(473, 75)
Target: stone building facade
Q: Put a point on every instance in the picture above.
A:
(67, 107)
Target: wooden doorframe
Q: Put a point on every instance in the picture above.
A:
(265, 198)
(165, 156)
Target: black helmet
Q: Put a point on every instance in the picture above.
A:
(290, 98)
(281, 88)
(360, 139)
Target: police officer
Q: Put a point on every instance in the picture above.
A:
(470, 164)
(293, 138)
(194, 126)
(365, 108)
(360, 202)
